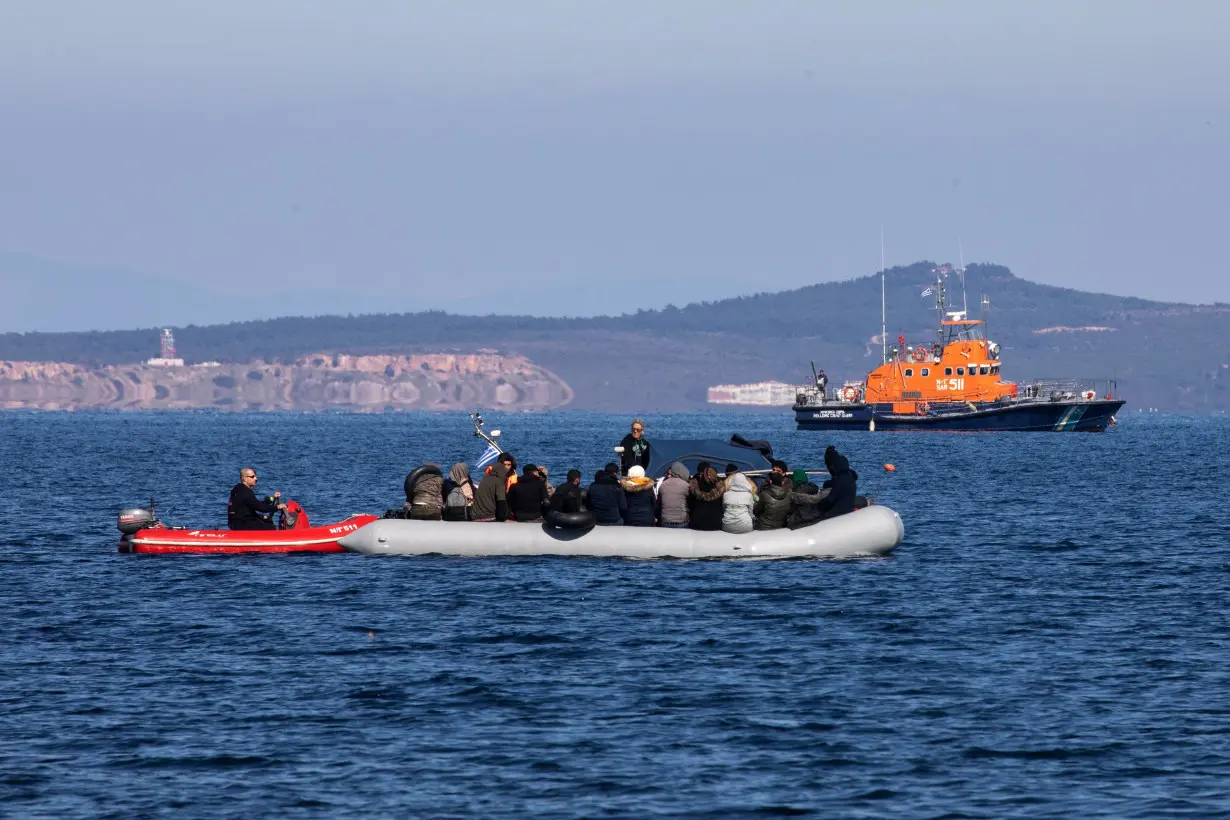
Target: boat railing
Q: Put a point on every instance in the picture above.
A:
(1066, 389)
(809, 394)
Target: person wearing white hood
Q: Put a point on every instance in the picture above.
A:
(737, 504)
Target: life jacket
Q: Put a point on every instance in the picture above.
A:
(508, 482)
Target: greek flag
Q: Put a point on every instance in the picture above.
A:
(489, 455)
(930, 290)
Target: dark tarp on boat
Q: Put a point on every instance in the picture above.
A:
(749, 455)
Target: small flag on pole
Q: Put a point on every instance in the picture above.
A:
(928, 291)
(489, 455)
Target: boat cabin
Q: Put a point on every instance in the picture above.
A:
(964, 367)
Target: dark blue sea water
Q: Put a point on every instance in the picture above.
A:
(1050, 640)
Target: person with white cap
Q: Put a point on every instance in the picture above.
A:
(642, 503)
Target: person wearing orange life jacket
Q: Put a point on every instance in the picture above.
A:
(510, 464)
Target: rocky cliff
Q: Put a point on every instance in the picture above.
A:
(322, 381)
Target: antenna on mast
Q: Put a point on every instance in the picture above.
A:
(883, 323)
(961, 256)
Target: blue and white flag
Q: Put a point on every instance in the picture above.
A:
(928, 291)
(489, 455)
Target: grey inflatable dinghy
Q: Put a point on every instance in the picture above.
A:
(875, 530)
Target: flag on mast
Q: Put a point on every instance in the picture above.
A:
(489, 455)
(930, 290)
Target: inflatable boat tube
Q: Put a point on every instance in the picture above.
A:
(416, 474)
(571, 521)
(875, 530)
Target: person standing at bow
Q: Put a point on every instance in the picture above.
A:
(635, 448)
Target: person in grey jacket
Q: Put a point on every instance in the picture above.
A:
(737, 504)
(673, 497)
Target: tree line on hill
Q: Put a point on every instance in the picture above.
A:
(678, 351)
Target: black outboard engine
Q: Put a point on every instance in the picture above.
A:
(134, 519)
(131, 521)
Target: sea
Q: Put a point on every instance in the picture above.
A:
(1052, 639)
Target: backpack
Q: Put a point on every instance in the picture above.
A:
(455, 506)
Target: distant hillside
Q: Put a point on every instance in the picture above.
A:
(1164, 355)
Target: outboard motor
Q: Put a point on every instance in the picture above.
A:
(131, 521)
(135, 518)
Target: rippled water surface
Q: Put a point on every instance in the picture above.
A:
(1049, 641)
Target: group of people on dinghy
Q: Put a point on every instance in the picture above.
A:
(622, 495)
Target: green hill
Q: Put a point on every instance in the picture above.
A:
(1170, 356)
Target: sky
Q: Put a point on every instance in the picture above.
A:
(235, 160)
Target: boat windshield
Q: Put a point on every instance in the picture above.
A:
(962, 330)
(665, 452)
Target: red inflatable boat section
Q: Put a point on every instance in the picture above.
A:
(301, 537)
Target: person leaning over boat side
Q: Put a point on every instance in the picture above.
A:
(605, 498)
(642, 506)
(737, 504)
(705, 499)
(458, 494)
(428, 500)
(243, 510)
(673, 497)
(842, 485)
(491, 498)
(569, 497)
(773, 504)
(527, 499)
(636, 448)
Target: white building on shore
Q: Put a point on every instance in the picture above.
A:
(764, 394)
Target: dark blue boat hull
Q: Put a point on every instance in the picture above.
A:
(1060, 416)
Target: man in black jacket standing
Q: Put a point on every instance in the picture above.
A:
(243, 510)
(635, 448)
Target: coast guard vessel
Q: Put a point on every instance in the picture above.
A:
(953, 384)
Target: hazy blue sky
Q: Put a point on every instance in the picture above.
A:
(586, 157)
